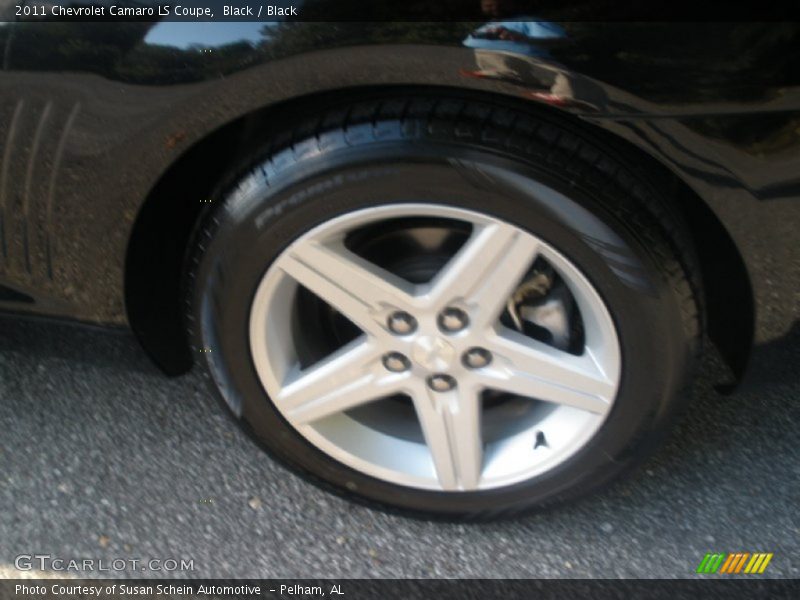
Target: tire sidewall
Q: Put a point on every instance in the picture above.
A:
(262, 216)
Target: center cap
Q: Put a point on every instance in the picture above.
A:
(433, 353)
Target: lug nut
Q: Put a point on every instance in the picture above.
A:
(401, 323)
(476, 358)
(452, 320)
(396, 362)
(441, 382)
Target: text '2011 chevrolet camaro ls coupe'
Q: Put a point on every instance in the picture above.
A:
(457, 268)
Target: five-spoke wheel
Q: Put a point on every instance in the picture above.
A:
(445, 306)
(441, 344)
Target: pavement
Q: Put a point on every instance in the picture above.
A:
(103, 457)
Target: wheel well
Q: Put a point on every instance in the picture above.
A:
(729, 304)
(163, 229)
(160, 238)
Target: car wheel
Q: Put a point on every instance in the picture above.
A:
(445, 306)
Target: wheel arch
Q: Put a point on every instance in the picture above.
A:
(162, 232)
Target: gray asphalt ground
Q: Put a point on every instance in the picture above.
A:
(101, 456)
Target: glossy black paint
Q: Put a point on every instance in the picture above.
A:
(114, 134)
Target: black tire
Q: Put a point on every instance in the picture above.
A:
(591, 204)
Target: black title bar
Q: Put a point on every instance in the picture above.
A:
(393, 10)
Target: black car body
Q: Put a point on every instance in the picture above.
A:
(110, 149)
(114, 136)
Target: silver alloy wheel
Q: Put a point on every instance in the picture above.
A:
(560, 398)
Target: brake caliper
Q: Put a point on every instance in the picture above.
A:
(542, 307)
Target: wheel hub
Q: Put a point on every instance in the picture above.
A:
(433, 353)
